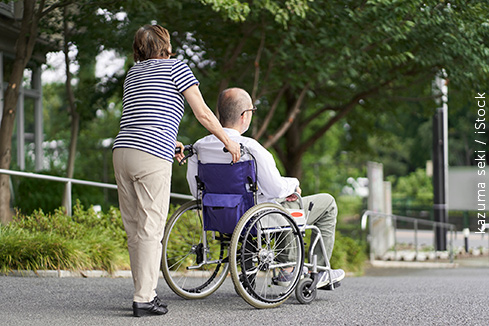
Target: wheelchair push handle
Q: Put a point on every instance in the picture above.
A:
(241, 149)
(225, 150)
(187, 148)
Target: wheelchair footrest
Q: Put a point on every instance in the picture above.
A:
(329, 287)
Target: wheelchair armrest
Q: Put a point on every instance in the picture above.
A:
(301, 205)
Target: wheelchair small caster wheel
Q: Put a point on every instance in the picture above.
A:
(304, 293)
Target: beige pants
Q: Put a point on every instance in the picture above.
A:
(143, 184)
(323, 215)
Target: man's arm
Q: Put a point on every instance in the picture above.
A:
(270, 182)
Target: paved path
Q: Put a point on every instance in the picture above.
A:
(383, 297)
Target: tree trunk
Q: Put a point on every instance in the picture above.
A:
(293, 155)
(24, 47)
(75, 117)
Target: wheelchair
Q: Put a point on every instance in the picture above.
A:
(225, 232)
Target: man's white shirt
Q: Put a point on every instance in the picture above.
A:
(271, 185)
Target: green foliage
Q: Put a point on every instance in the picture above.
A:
(91, 240)
(348, 254)
(367, 65)
(349, 208)
(322, 170)
(96, 162)
(360, 61)
(462, 116)
(24, 250)
(232, 9)
(32, 194)
(374, 56)
(350, 248)
(88, 240)
(416, 186)
(55, 113)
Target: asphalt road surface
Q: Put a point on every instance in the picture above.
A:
(458, 296)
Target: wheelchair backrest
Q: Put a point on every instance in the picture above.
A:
(227, 193)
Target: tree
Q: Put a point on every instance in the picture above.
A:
(307, 64)
(52, 20)
(33, 12)
(340, 61)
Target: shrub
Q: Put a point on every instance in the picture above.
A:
(28, 197)
(91, 240)
(348, 254)
(88, 240)
(24, 250)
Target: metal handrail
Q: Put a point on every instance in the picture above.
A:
(416, 221)
(70, 181)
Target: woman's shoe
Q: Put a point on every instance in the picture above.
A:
(147, 308)
(158, 301)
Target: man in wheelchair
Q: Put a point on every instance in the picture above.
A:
(236, 110)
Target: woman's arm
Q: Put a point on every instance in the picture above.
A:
(207, 118)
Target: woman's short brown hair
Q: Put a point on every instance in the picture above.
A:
(151, 41)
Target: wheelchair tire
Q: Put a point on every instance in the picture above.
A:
(258, 255)
(184, 249)
(304, 293)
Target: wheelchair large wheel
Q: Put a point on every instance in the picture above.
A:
(265, 247)
(193, 265)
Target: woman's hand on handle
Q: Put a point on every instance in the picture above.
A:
(235, 149)
(179, 155)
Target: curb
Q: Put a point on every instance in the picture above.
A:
(411, 264)
(65, 273)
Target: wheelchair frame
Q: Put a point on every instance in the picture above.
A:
(250, 255)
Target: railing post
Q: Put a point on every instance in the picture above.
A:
(371, 225)
(434, 240)
(451, 244)
(416, 238)
(394, 220)
(67, 203)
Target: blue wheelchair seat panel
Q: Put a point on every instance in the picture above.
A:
(226, 195)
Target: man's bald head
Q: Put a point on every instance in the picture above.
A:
(231, 103)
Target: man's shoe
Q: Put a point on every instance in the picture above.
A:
(285, 277)
(336, 276)
(330, 287)
(147, 308)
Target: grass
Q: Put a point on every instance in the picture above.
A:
(86, 241)
(24, 250)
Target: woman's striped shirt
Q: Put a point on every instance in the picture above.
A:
(153, 105)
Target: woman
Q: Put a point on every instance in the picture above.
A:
(153, 103)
